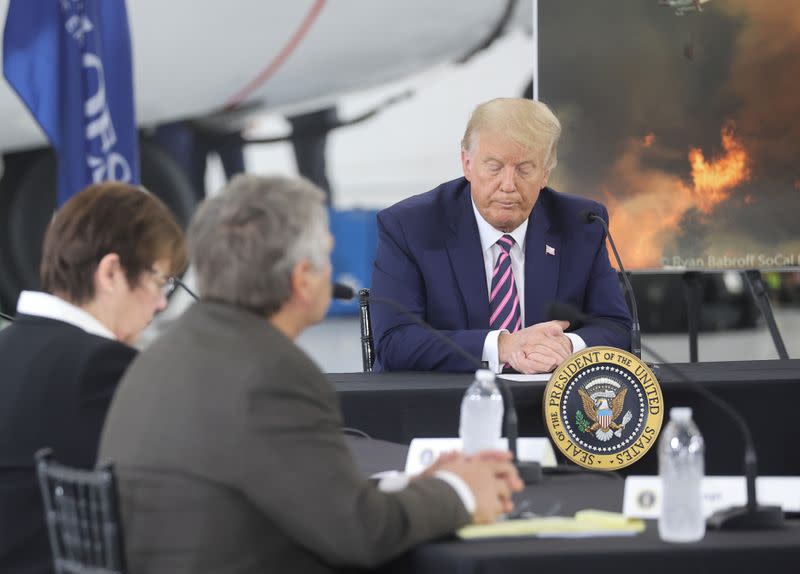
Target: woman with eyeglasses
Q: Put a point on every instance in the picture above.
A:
(108, 259)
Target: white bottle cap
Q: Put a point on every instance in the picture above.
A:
(680, 414)
(484, 376)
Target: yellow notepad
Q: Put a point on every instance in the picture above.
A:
(585, 523)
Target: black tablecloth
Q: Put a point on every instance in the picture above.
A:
(400, 406)
(718, 552)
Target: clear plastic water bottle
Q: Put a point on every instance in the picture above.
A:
(681, 467)
(481, 414)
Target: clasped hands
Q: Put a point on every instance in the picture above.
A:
(490, 476)
(539, 348)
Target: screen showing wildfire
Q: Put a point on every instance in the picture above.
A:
(683, 118)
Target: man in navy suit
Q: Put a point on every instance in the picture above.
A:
(483, 256)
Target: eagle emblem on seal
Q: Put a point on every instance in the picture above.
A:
(603, 408)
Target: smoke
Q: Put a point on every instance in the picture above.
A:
(764, 80)
(694, 157)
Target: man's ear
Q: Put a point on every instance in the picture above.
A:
(466, 164)
(299, 285)
(108, 274)
(546, 177)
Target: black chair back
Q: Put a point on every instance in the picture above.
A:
(82, 516)
(367, 344)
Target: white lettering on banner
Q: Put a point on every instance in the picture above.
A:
(111, 165)
(78, 26)
(115, 168)
(101, 126)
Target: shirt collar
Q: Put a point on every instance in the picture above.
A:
(489, 235)
(49, 306)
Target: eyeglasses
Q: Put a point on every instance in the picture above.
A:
(165, 283)
(168, 283)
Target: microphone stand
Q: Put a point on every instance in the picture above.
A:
(636, 331)
(530, 472)
(338, 291)
(751, 516)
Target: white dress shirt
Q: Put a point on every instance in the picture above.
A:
(491, 252)
(394, 481)
(49, 306)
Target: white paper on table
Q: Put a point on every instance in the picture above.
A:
(527, 378)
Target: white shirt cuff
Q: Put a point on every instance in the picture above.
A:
(578, 344)
(491, 354)
(462, 490)
(391, 480)
(395, 481)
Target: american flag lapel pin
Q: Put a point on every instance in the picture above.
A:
(549, 250)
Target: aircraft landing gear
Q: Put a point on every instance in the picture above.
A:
(28, 199)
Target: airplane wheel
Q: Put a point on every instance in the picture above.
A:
(33, 201)
(15, 167)
(28, 199)
(164, 177)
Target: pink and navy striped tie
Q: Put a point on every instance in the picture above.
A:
(504, 310)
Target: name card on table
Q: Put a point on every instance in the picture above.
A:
(423, 451)
(642, 498)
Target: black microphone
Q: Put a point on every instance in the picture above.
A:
(339, 291)
(342, 292)
(589, 216)
(752, 516)
(8, 318)
(529, 472)
(567, 312)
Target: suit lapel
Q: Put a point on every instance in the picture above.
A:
(542, 256)
(464, 249)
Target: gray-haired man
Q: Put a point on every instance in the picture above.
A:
(227, 437)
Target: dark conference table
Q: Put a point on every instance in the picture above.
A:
(401, 406)
(397, 407)
(763, 552)
(718, 552)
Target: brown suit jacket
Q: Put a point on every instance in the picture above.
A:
(228, 447)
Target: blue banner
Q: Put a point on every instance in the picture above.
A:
(70, 63)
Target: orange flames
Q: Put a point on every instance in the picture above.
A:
(653, 202)
(713, 181)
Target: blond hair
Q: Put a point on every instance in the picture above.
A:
(529, 123)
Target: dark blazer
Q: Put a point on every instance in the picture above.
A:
(56, 382)
(228, 447)
(430, 261)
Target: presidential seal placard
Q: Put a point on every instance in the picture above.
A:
(603, 408)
